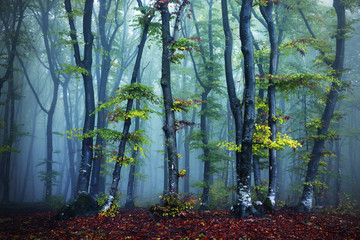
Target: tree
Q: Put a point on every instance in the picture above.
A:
(209, 65)
(235, 104)
(53, 54)
(305, 203)
(169, 128)
(147, 17)
(11, 19)
(244, 205)
(11, 16)
(84, 66)
(106, 43)
(70, 142)
(266, 11)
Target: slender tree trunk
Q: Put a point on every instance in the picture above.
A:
(338, 174)
(166, 170)
(69, 142)
(187, 153)
(106, 43)
(305, 203)
(29, 161)
(261, 118)
(169, 128)
(204, 97)
(267, 14)
(235, 104)
(127, 123)
(131, 180)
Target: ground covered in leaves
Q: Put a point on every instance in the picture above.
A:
(138, 224)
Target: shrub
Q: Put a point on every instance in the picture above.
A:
(173, 205)
(220, 196)
(348, 206)
(113, 210)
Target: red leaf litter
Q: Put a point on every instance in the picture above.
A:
(138, 224)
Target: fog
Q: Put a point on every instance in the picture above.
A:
(43, 99)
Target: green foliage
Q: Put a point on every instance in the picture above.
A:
(261, 141)
(142, 18)
(71, 69)
(290, 83)
(8, 149)
(173, 205)
(136, 139)
(185, 105)
(77, 10)
(48, 175)
(262, 190)
(348, 206)
(134, 91)
(180, 45)
(351, 5)
(330, 135)
(64, 40)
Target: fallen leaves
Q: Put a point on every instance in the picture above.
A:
(138, 224)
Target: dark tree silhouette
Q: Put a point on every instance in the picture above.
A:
(244, 206)
(85, 64)
(11, 19)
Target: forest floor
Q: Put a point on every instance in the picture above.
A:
(35, 223)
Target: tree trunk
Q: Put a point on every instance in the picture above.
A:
(261, 118)
(86, 63)
(305, 203)
(29, 161)
(169, 128)
(243, 167)
(69, 142)
(106, 43)
(204, 97)
(8, 138)
(127, 123)
(187, 152)
(267, 14)
(131, 180)
(11, 22)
